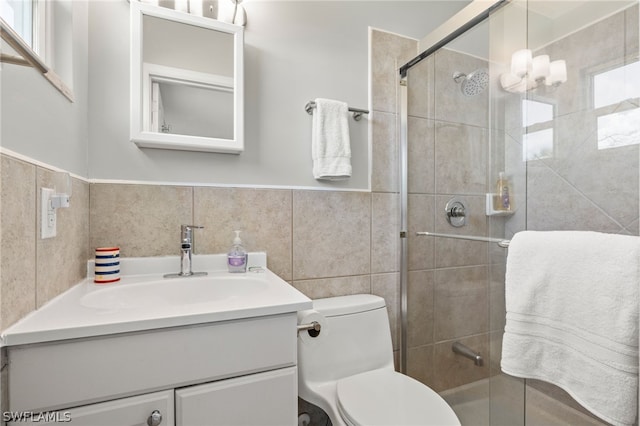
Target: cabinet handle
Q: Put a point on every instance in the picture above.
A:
(155, 418)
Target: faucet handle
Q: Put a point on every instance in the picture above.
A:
(186, 231)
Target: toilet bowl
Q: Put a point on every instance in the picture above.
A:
(347, 369)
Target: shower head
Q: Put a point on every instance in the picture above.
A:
(472, 84)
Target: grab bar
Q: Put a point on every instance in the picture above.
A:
(467, 352)
(500, 241)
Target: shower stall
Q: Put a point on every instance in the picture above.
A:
(543, 95)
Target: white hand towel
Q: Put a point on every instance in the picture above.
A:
(330, 145)
(572, 317)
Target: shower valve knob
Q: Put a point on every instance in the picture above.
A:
(457, 211)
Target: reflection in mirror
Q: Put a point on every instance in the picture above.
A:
(186, 81)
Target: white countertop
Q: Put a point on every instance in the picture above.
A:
(70, 316)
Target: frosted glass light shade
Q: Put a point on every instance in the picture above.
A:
(181, 5)
(196, 7)
(540, 67)
(513, 84)
(557, 73)
(521, 62)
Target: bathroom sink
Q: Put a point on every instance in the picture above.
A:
(144, 300)
(174, 292)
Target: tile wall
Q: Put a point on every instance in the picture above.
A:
(32, 270)
(448, 282)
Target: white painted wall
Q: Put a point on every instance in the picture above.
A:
(295, 51)
(37, 120)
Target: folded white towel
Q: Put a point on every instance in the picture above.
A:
(330, 145)
(572, 317)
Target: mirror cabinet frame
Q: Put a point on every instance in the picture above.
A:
(145, 138)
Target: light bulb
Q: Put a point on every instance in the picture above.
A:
(540, 67)
(557, 73)
(521, 62)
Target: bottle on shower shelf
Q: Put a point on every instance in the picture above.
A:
(502, 199)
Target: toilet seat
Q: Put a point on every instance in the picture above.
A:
(385, 397)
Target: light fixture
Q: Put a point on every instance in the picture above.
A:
(232, 11)
(528, 72)
(557, 73)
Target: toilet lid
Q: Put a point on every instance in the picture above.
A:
(385, 397)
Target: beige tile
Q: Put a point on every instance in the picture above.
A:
(332, 287)
(507, 400)
(420, 319)
(461, 302)
(450, 104)
(421, 93)
(263, 216)
(387, 286)
(593, 172)
(548, 405)
(461, 154)
(420, 156)
(388, 52)
(452, 370)
(143, 220)
(494, 357)
(420, 364)
(62, 260)
(549, 194)
(384, 167)
(331, 234)
(385, 229)
(18, 233)
(497, 311)
(420, 218)
(451, 252)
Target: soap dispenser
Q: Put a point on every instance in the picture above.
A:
(237, 256)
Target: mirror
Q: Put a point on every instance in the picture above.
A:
(186, 81)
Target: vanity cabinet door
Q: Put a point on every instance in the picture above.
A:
(133, 411)
(263, 399)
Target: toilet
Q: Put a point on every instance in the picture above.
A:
(348, 371)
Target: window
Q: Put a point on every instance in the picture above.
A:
(537, 121)
(41, 32)
(616, 93)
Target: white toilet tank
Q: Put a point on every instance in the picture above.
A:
(355, 338)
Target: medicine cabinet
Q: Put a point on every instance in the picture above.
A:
(186, 81)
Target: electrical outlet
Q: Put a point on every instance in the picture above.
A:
(47, 214)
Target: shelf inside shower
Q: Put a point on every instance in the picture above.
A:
(492, 211)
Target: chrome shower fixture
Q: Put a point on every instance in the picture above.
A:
(472, 84)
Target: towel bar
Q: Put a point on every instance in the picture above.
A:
(357, 112)
(500, 241)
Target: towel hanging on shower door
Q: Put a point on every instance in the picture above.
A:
(572, 317)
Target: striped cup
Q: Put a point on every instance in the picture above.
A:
(107, 265)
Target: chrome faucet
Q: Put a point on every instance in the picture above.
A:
(186, 246)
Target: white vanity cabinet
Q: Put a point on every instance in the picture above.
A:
(156, 408)
(258, 399)
(237, 372)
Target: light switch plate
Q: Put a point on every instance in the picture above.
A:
(47, 214)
